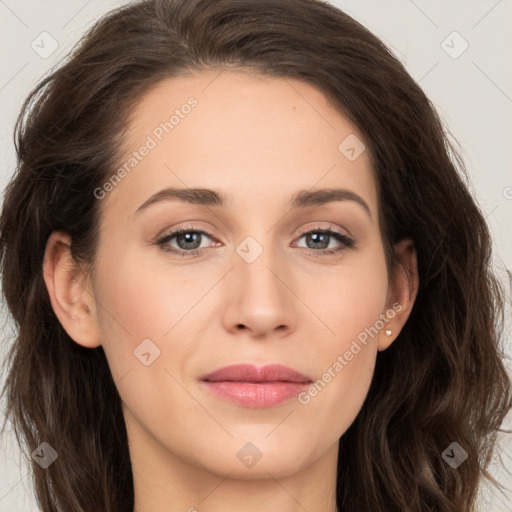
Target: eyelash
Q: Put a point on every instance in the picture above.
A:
(345, 240)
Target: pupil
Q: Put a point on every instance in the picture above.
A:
(316, 236)
(189, 239)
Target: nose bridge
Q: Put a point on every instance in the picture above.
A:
(258, 266)
(260, 300)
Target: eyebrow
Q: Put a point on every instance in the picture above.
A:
(208, 197)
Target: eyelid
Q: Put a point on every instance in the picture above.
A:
(317, 226)
(185, 227)
(174, 232)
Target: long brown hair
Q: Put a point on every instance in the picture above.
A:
(442, 380)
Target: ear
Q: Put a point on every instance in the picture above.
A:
(402, 292)
(70, 291)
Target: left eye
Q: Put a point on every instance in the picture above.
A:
(320, 238)
(189, 241)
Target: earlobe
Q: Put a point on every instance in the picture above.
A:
(67, 286)
(402, 292)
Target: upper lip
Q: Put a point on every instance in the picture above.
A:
(252, 373)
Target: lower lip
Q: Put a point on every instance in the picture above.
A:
(258, 395)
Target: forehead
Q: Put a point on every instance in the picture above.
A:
(255, 137)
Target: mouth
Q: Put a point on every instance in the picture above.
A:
(249, 386)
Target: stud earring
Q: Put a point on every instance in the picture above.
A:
(388, 332)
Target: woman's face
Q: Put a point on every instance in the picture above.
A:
(252, 281)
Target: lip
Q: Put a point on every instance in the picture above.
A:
(258, 387)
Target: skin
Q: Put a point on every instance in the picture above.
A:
(258, 140)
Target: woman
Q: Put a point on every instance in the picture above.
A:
(256, 277)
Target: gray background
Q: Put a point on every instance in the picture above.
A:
(472, 92)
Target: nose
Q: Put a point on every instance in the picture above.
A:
(259, 301)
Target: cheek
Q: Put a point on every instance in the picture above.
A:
(145, 299)
(349, 298)
(350, 304)
(138, 302)
(143, 309)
